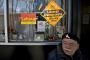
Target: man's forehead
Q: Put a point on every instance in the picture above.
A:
(69, 40)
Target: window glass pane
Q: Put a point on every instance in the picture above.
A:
(31, 31)
(1, 21)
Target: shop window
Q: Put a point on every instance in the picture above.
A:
(38, 29)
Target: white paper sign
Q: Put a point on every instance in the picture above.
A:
(41, 26)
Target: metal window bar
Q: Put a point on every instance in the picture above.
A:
(5, 20)
(69, 15)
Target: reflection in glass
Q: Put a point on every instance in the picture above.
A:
(1, 21)
(28, 32)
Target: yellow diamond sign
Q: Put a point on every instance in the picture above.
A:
(53, 13)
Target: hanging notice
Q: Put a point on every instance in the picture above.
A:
(53, 13)
(28, 18)
(41, 26)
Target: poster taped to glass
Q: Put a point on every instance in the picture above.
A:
(41, 26)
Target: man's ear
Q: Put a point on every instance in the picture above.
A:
(77, 46)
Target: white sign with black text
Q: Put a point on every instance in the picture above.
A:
(41, 26)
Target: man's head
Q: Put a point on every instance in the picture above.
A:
(70, 43)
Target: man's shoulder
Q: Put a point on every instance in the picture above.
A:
(84, 57)
(55, 54)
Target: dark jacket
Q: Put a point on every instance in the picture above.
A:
(58, 54)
